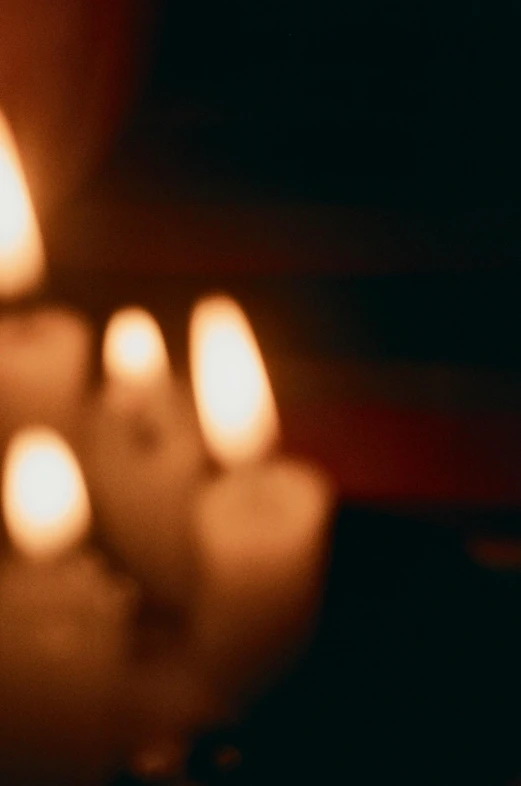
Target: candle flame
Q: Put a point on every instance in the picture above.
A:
(134, 350)
(233, 395)
(21, 247)
(45, 501)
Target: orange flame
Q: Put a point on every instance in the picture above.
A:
(21, 247)
(45, 501)
(233, 395)
(134, 350)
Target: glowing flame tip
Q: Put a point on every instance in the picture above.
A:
(134, 350)
(45, 500)
(233, 395)
(21, 249)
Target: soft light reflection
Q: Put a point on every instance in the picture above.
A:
(21, 248)
(45, 501)
(232, 392)
(134, 350)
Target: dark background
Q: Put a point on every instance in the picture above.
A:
(379, 103)
(356, 163)
(399, 104)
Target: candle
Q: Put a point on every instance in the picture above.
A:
(262, 524)
(44, 370)
(143, 457)
(63, 622)
(140, 386)
(44, 353)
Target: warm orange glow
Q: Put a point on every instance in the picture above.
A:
(21, 248)
(45, 500)
(134, 350)
(232, 392)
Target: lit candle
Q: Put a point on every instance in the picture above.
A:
(139, 382)
(44, 353)
(143, 457)
(63, 622)
(262, 524)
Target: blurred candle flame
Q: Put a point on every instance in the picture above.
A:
(45, 501)
(134, 350)
(233, 395)
(21, 247)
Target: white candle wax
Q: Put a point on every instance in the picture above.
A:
(141, 470)
(143, 457)
(63, 621)
(263, 538)
(141, 467)
(63, 655)
(261, 526)
(44, 368)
